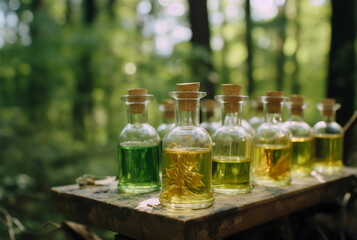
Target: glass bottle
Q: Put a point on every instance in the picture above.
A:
(271, 156)
(138, 150)
(258, 117)
(187, 155)
(209, 120)
(231, 145)
(244, 123)
(328, 139)
(168, 110)
(302, 140)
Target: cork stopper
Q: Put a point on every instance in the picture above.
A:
(231, 89)
(296, 104)
(231, 104)
(137, 99)
(328, 106)
(208, 106)
(188, 101)
(169, 108)
(273, 101)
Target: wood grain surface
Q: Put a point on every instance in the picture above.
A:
(142, 217)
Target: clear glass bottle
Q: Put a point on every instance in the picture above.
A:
(187, 155)
(302, 140)
(328, 139)
(231, 145)
(138, 149)
(168, 110)
(271, 156)
(244, 123)
(258, 117)
(209, 119)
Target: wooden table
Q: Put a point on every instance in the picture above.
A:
(141, 217)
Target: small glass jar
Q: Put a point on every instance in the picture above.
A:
(302, 140)
(231, 146)
(138, 149)
(209, 119)
(271, 156)
(187, 154)
(168, 110)
(328, 139)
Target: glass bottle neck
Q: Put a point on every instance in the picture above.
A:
(329, 118)
(273, 117)
(296, 117)
(167, 120)
(187, 118)
(231, 119)
(207, 116)
(137, 118)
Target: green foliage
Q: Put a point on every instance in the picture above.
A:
(60, 108)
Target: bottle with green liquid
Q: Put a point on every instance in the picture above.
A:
(138, 149)
(231, 145)
(187, 155)
(328, 139)
(271, 156)
(302, 140)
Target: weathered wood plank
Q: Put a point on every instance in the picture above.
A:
(105, 207)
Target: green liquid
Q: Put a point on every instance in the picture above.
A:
(138, 169)
(328, 154)
(271, 165)
(230, 175)
(302, 156)
(186, 178)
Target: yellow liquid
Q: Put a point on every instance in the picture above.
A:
(271, 165)
(328, 154)
(187, 178)
(230, 175)
(302, 155)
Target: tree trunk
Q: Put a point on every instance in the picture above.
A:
(89, 11)
(281, 56)
(296, 86)
(341, 76)
(201, 53)
(82, 106)
(38, 88)
(111, 4)
(341, 83)
(249, 44)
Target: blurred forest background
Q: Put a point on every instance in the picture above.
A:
(64, 65)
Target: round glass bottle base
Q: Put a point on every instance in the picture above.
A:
(233, 189)
(328, 169)
(138, 188)
(187, 203)
(271, 182)
(301, 172)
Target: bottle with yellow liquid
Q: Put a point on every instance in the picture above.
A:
(187, 155)
(231, 146)
(302, 140)
(271, 156)
(328, 139)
